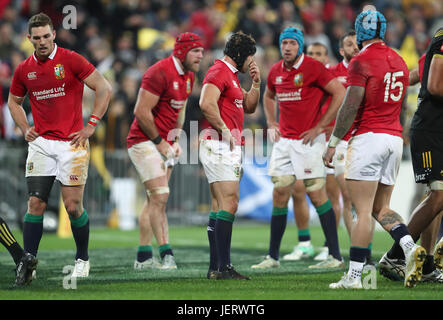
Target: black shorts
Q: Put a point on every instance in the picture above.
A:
(427, 155)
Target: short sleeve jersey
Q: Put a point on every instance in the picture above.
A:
(299, 92)
(167, 81)
(429, 114)
(55, 89)
(230, 102)
(340, 72)
(385, 77)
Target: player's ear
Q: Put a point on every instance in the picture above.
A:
(53, 33)
(342, 52)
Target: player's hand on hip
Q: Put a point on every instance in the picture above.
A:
(165, 149)
(327, 157)
(79, 138)
(31, 134)
(310, 135)
(227, 136)
(274, 133)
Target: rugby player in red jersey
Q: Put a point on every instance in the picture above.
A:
(377, 84)
(54, 78)
(223, 103)
(298, 83)
(153, 141)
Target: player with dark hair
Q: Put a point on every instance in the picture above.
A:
(223, 103)
(25, 262)
(297, 83)
(153, 141)
(426, 135)
(54, 79)
(377, 136)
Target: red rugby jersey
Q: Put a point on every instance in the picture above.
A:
(168, 81)
(230, 102)
(299, 92)
(385, 76)
(55, 88)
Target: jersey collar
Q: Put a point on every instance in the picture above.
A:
(230, 66)
(368, 45)
(178, 66)
(51, 56)
(345, 64)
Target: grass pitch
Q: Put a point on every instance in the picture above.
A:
(112, 254)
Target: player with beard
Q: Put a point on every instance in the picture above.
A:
(153, 141)
(297, 83)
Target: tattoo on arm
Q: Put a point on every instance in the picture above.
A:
(348, 110)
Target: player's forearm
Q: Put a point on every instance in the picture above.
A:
(252, 98)
(212, 114)
(18, 115)
(146, 122)
(348, 111)
(181, 118)
(270, 110)
(103, 94)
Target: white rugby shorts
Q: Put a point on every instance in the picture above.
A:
(58, 158)
(291, 157)
(219, 162)
(374, 157)
(148, 161)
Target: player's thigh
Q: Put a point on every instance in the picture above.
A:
(147, 161)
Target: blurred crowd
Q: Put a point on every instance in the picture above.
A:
(122, 38)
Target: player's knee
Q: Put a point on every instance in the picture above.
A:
(158, 196)
(36, 205)
(314, 184)
(230, 202)
(73, 207)
(283, 181)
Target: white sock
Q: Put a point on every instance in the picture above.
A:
(406, 243)
(304, 243)
(355, 269)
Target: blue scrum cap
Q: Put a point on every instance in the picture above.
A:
(293, 33)
(369, 25)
